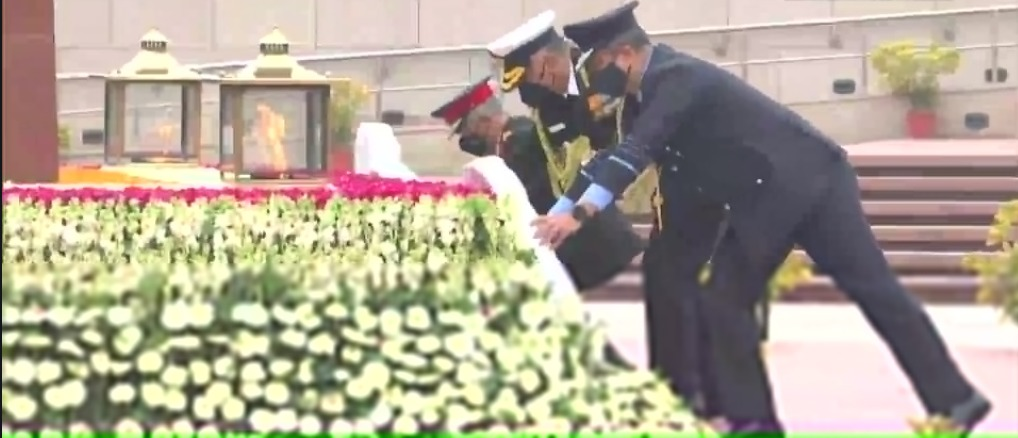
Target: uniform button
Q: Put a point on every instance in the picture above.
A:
(675, 168)
(678, 154)
(759, 181)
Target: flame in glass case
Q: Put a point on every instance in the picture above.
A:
(271, 127)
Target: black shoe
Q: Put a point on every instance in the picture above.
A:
(966, 415)
(755, 428)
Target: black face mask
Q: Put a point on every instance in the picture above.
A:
(607, 90)
(474, 145)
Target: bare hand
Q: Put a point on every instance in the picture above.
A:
(553, 230)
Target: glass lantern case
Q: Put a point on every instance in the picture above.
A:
(273, 117)
(152, 108)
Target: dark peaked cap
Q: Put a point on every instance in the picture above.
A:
(599, 32)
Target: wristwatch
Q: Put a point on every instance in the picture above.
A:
(580, 214)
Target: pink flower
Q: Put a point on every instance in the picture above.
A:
(342, 185)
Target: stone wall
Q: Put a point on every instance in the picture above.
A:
(98, 35)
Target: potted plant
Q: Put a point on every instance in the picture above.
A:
(348, 97)
(912, 71)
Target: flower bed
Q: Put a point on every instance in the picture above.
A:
(372, 306)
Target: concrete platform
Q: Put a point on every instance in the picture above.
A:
(833, 374)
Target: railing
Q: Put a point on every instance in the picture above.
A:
(742, 33)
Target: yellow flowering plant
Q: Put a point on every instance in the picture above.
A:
(998, 268)
(912, 70)
(348, 98)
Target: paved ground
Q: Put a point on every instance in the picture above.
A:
(832, 374)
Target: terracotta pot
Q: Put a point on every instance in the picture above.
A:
(340, 159)
(921, 123)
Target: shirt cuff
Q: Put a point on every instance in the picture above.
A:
(563, 205)
(597, 195)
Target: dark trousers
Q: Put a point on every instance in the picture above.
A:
(676, 338)
(838, 238)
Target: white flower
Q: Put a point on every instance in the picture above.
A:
(277, 393)
(284, 316)
(365, 319)
(21, 371)
(336, 311)
(224, 366)
(293, 338)
(280, 367)
(233, 409)
(458, 345)
(418, 318)
(286, 420)
(262, 421)
(47, 372)
(251, 391)
(128, 427)
(429, 344)
(309, 425)
(202, 315)
(254, 315)
(174, 376)
(54, 398)
(75, 430)
(359, 389)
(153, 394)
(122, 393)
(538, 410)
(175, 400)
(208, 431)
(218, 392)
(182, 427)
(405, 425)
(381, 415)
(322, 344)
(119, 316)
(249, 345)
(474, 395)
(457, 416)
(160, 430)
(376, 374)
(332, 403)
(175, 316)
(252, 372)
(200, 371)
(20, 408)
(352, 355)
(443, 364)
(340, 427)
(127, 340)
(92, 337)
(203, 408)
(101, 362)
(490, 341)
(150, 362)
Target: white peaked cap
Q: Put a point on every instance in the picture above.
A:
(523, 34)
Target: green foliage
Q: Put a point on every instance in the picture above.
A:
(912, 70)
(348, 98)
(998, 268)
(64, 137)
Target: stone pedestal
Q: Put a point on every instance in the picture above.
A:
(30, 152)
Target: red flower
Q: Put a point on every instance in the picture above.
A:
(344, 185)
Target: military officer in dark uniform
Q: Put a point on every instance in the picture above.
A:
(783, 183)
(551, 77)
(484, 128)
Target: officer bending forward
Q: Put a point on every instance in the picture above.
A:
(592, 257)
(784, 183)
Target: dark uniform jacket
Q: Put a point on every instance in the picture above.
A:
(606, 244)
(716, 136)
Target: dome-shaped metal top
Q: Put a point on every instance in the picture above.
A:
(275, 65)
(154, 62)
